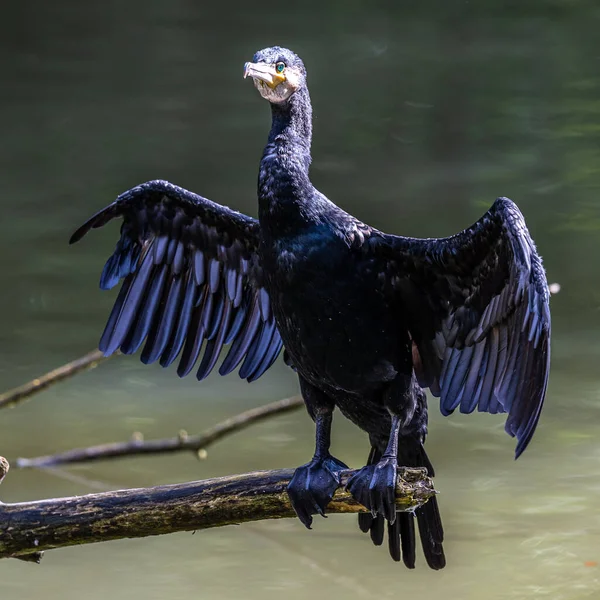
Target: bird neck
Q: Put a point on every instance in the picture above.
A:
(284, 187)
(292, 125)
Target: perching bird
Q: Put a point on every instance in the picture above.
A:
(368, 319)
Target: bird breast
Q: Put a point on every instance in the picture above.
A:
(335, 322)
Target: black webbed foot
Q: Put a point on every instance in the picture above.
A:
(313, 485)
(374, 486)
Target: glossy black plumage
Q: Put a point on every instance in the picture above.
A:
(191, 275)
(368, 319)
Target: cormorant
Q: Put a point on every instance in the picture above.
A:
(368, 319)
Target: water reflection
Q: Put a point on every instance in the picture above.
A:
(424, 113)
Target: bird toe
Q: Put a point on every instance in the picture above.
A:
(312, 487)
(374, 486)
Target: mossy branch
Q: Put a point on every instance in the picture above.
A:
(27, 528)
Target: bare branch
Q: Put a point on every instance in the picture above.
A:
(30, 527)
(136, 445)
(24, 392)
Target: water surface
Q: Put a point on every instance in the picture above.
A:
(424, 113)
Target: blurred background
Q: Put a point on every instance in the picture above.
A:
(424, 113)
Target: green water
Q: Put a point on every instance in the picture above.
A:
(424, 113)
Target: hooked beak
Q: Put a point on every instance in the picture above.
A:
(265, 73)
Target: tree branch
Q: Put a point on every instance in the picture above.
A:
(36, 556)
(30, 527)
(25, 391)
(136, 445)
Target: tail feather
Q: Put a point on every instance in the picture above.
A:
(377, 530)
(401, 534)
(365, 520)
(407, 537)
(394, 534)
(431, 533)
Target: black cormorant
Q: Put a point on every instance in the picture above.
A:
(368, 319)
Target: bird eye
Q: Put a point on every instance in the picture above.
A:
(279, 67)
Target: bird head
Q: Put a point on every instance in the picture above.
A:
(277, 73)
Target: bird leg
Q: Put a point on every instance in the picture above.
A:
(374, 486)
(314, 483)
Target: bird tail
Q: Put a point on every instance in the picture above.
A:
(401, 534)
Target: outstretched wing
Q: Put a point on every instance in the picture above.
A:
(191, 273)
(477, 308)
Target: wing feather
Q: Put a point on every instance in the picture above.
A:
(477, 308)
(191, 273)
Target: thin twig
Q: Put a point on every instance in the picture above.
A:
(180, 443)
(24, 392)
(31, 527)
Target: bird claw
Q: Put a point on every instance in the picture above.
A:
(374, 486)
(312, 487)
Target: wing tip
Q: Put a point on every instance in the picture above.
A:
(80, 233)
(520, 449)
(102, 217)
(523, 440)
(106, 214)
